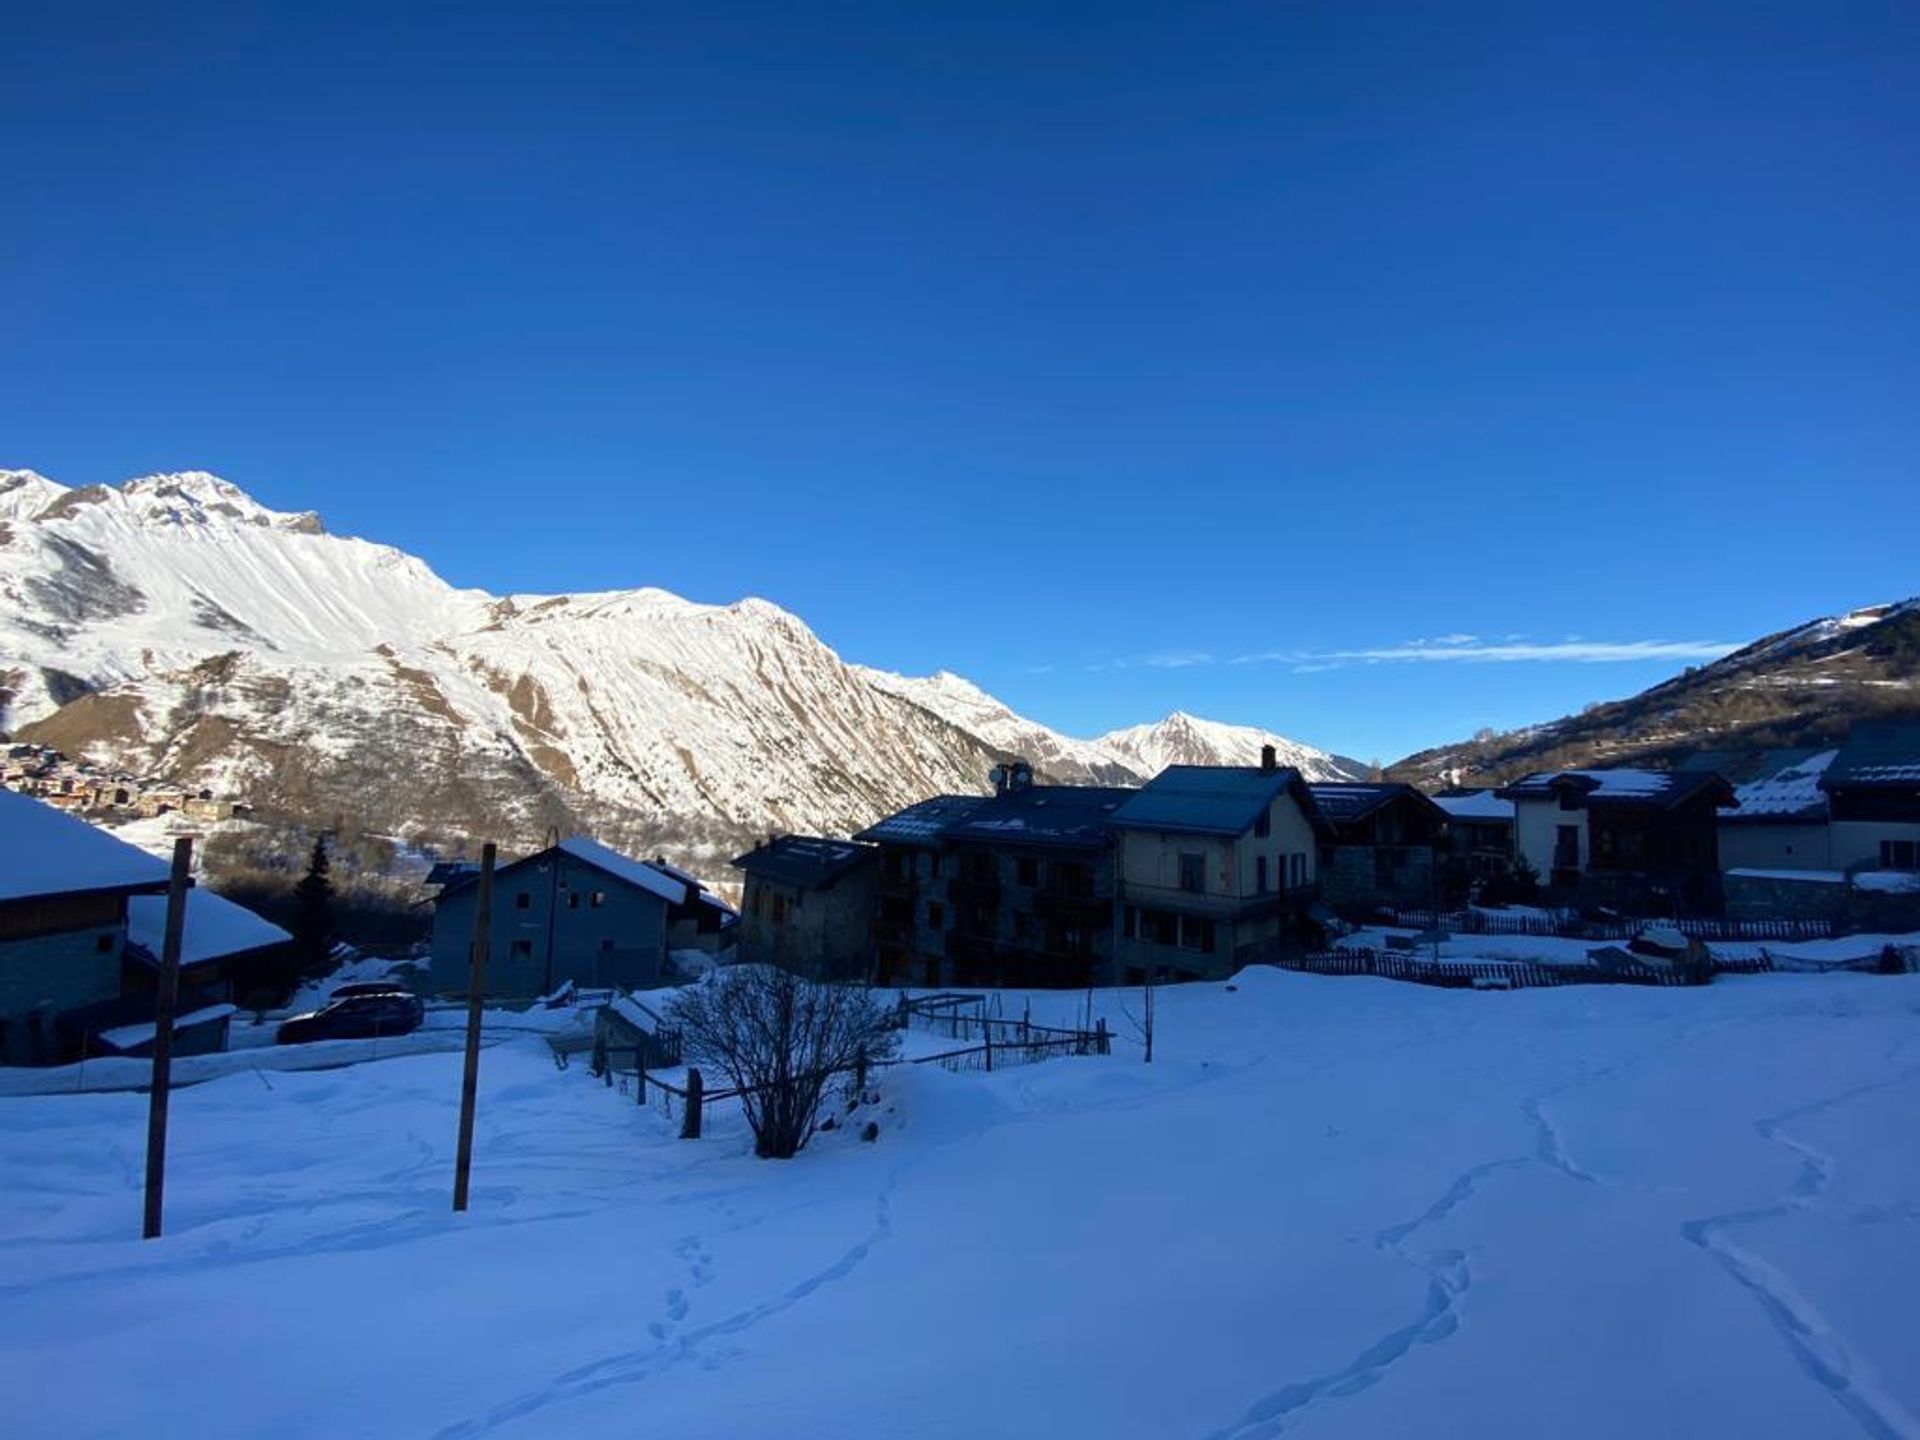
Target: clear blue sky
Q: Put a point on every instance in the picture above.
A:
(1042, 343)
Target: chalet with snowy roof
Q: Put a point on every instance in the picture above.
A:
(577, 911)
(64, 889)
(82, 927)
(1644, 841)
(1013, 888)
(1479, 837)
(1779, 819)
(808, 906)
(1873, 797)
(1216, 866)
(1380, 844)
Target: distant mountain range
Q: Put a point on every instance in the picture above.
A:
(1802, 686)
(173, 626)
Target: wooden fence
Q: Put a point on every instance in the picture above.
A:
(1570, 925)
(1488, 974)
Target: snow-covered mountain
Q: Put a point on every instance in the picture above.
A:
(174, 626)
(1183, 739)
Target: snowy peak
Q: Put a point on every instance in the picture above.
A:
(1183, 739)
(25, 493)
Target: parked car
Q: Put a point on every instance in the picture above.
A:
(357, 1017)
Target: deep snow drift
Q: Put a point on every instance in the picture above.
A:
(1331, 1207)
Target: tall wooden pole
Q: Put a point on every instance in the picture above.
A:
(166, 1002)
(476, 999)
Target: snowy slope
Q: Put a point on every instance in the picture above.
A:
(1336, 1208)
(174, 626)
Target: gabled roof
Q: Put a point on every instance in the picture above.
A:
(637, 873)
(1076, 817)
(215, 928)
(45, 851)
(1208, 799)
(1882, 753)
(1652, 789)
(805, 860)
(1790, 791)
(1478, 807)
(923, 823)
(1345, 802)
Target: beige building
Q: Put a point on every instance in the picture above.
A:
(1215, 865)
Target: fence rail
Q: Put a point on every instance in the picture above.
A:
(1570, 925)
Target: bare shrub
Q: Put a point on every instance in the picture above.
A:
(780, 1040)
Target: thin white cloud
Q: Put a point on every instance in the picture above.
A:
(1455, 648)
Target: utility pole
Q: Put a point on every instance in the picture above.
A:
(476, 999)
(166, 1002)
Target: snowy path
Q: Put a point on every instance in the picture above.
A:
(1333, 1207)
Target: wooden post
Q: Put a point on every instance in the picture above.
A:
(987, 1031)
(690, 1122)
(166, 1002)
(1101, 1030)
(640, 1070)
(476, 999)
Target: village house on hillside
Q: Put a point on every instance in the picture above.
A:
(808, 906)
(576, 911)
(82, 920)
(79, 785)
(1217, 865)
(1643, 841)
(1015, 888)
(1380, 844)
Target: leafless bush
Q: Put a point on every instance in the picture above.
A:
(780, 1040)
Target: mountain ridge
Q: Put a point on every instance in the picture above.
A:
(173, 626)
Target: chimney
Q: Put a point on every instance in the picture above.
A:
(1020, 776)
(1269, 761)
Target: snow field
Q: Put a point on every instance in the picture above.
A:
(1332, 1206)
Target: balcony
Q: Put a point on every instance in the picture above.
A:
(1068, 909)
(966, 891)
(899, 886)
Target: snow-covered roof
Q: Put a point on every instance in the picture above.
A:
(141, 1032)
(1663, 788)
(44, 851)
(215, 927)
(1482, 805)
(1879, 753)
(622, 867)
(803, 859)
(1346, 801)
(1792, 793)
(924, 823)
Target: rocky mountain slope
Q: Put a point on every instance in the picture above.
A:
(1802, 686)
(173, 626)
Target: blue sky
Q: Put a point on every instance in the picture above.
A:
(1237, 359)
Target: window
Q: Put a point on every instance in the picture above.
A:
(1386, 865)
(523, 901)
(1263, 824)
(936, 914)
(1899, 854)
(779, 910)
(1029, 870)
(1072, 879)
(1297, 869)
(933, 864)
(599, 898)
(103, 943)
(573, 900)
(978, 868)
(1196, 934)
(520, 950)
(1566, 847)
(1259, 874)
(1193, 873)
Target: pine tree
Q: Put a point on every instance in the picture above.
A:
(313, 910)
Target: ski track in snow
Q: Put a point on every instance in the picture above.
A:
(1829, 1359)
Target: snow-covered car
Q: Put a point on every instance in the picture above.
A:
(367, 987)
(357, 1017)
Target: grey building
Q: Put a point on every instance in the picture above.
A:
(1014, 888)
(64, 888)
(807, 906)
(576, 911)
